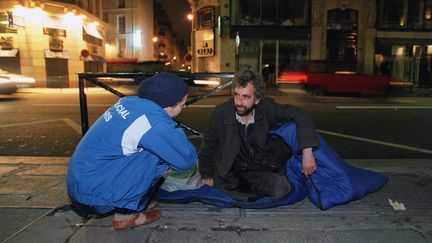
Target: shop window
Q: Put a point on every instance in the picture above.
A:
(293, 13)
(270, 12)
(391, 13)
(404, 14)
(249, 53)
(291, 56)
(121, 3)
(338, 19)
(414, 16)
(428, 15)
(247, 12)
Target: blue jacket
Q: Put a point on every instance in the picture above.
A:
(115, 162)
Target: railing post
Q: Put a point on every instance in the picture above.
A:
(83, 105)
(93, 78)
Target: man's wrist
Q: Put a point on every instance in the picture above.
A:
(307, 150)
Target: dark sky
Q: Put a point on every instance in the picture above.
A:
(177, 11)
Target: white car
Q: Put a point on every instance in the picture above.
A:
(9, 82)
(6, 86)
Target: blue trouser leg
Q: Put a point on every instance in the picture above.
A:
(145, 199)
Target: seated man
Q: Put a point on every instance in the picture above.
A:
(119, 162)
(239, 157)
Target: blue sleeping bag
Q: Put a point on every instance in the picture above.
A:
(334, 183)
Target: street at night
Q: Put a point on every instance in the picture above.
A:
(40, 129)
(43, 122)
(344, 154)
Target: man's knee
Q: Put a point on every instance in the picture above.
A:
(281, 187)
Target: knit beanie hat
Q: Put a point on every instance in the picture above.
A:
(165, 89)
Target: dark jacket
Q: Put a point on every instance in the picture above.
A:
(222, 143)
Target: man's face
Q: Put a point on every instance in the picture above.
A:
(245, 99)
(176, 109)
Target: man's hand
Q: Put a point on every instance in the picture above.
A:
(208, 181)
(308, 162)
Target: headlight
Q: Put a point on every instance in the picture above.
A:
(22, 80)
(4, 80)
(206, 82)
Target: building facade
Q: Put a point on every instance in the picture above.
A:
(52, 40)
(139, 32)
(384, 37)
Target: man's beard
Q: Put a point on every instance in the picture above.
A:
(245, 111)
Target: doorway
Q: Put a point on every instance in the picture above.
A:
(57, 72)
(342, 35)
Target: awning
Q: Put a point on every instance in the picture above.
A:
(122, 60)
(56, 54)
(54, 23)
(94, 58)
(404, 41)
(9, 53)
(91, 30)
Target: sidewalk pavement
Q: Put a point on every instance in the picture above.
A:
(34, 207)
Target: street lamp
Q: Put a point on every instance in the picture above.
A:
(188, 57)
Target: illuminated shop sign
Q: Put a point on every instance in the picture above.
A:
(205, 43)
(205, 48)
(6, 42)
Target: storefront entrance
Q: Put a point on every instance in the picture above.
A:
(404, 62)
(10, 61)
(57, 72)
(342, 35)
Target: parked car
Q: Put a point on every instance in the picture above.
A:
(319, 77)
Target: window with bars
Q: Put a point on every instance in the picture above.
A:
(105, 17)
(121, 47)
(121, 3)
(121, 24)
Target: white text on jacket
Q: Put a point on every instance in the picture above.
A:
(121, 110)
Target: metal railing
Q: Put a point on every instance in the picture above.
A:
(138, 77)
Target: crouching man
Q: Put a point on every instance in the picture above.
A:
(118, 164)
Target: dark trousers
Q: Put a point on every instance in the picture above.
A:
(251, 185)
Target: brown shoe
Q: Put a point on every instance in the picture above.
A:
(134, 221)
